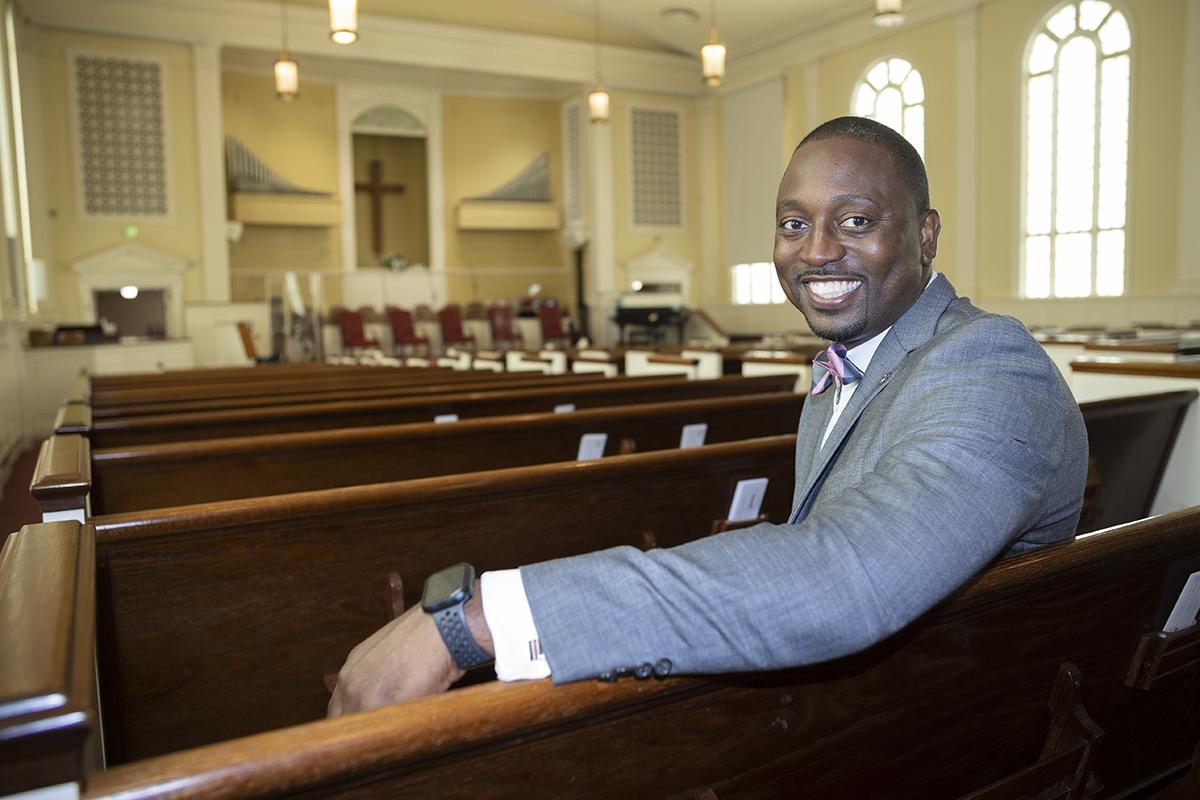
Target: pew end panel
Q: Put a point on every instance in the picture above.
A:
(955, 702)
(62, 478)
(48, 709)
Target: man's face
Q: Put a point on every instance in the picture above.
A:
(850, 250)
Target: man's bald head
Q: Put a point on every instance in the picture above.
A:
(909, 166)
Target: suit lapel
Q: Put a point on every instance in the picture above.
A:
(915, 327)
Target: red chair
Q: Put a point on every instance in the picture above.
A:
(552, 329)
(353, 337)
(450, 318)
(404, 334)
(503, 335)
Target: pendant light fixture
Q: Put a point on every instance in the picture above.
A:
(712, 54)
(343, 21)
(598, 99)
(889, 13)
(287, 73)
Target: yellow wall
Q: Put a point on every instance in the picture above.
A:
(297, 140)
(405, 215)
(71, 236)
(633, 241)
(486, 142)
(930, 49)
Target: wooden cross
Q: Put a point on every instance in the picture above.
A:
(377, 189)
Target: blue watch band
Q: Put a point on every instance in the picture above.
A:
(452, 625)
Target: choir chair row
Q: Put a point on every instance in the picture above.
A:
(422, 333)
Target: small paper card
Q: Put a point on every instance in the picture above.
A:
(591, 446)
(446, 418)
(693, 435)
(565, 408)
(747, 499)
(1183, 615)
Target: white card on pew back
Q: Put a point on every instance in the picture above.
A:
(440, 418)
(747, 499)
(1183, 615)
(591, 446)
(565, 408)
(693, 435)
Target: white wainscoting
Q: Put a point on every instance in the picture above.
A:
(1108, 311)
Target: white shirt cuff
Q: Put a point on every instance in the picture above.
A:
(515, 638)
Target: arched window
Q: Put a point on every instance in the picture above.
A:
(893, 93)
(1076, 152)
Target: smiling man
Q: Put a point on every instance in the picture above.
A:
(948, 438)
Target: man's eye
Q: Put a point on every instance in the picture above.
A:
(856, 221)
(792, 225)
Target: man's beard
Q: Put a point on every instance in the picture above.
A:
(835, 330)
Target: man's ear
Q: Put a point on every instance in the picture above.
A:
(931, 226)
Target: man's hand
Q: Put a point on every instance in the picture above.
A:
(404, 660)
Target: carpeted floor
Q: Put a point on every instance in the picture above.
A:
(17, 507)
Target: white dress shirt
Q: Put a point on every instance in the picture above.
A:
(506, 608)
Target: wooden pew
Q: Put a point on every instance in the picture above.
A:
(955, 702)
(1101, 378)
(181, 473)
(277, 396)
(206, 374)
(1131, 442)
(126, 431)
(322, 565)
(375, 378)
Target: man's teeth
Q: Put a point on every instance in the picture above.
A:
(831, 289)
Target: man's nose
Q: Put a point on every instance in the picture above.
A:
(822, 246)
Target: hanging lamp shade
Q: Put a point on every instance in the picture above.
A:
(598, 104)
(287, 78)
(712, 59)
(889, 13)
(343, 21)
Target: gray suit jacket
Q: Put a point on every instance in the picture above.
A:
(961, 442)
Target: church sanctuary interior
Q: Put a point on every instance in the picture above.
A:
(303, 301)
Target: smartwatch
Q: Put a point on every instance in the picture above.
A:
(446, 593)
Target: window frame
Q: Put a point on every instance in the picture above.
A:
(862, 79)
(1022, 201)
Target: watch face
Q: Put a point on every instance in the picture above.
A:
(448, 587)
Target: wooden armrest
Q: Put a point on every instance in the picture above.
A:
(62, 478)
(81, 390)
(779, 359)
(47, 663)
(73, 418)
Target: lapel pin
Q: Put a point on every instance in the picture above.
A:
(884, 379)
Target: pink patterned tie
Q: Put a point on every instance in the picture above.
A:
(831, 367)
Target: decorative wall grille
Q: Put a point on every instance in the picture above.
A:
(573, 164)
(122, 142)
(656, 168)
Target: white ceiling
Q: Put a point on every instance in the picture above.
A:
(744, 25)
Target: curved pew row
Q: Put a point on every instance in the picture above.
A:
(182, 473)
(186, 426)
(954, 702)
